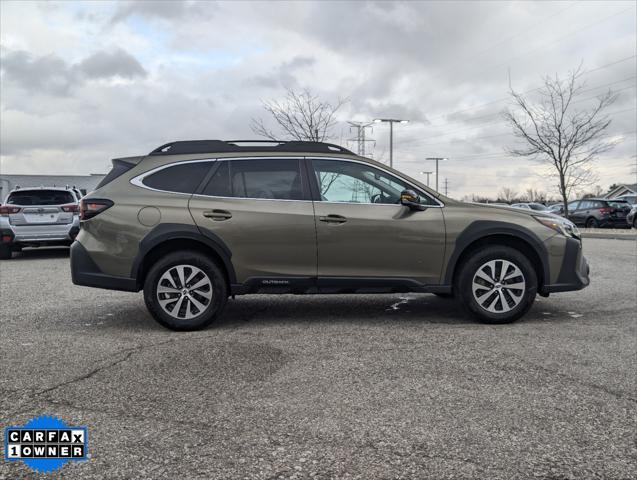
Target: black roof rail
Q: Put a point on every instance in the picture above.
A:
(222, 146)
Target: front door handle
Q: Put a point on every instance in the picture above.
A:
(333, 219)
(217, 214)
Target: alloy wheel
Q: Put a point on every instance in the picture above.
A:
(498, 286)
(184, 291)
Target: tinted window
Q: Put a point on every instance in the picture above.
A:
(219, 184)
(41, 197)
(277, 179)
(358, 183)
(572, 206)
(183, 178)
(619, 204)
(537, 206)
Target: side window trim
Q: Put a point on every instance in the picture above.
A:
(305, 183)
(138, 180)
(317, 197)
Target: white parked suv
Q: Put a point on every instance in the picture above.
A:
(34, 217)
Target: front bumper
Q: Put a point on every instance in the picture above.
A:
(574, 273)
(85, 272)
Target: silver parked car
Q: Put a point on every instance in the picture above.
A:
(538, 207)
(33, 217)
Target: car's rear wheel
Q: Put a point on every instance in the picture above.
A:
(5, 252)
(592, 223)
(497, 284)
(185, 291)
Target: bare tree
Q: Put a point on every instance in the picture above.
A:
(300, 116)
(558, 134)
(507, 194)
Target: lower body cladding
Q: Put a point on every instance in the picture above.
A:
(573, 275)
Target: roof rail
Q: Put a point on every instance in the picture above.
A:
(222, 146)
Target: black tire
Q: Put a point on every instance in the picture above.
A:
(477, 260)
(592, 223)
(635, 222)
(5, 252)
(218, 288)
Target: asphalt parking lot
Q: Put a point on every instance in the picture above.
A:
(388, 386)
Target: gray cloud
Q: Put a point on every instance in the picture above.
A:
(109, 64)
(50, 74)
(173, 10)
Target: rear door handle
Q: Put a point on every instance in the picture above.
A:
(217, 214)
(333, 219)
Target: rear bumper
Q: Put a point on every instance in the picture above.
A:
(42, 234)
(85, 272)
(574, 273)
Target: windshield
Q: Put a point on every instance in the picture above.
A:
(618, 204)
(40, 197)
(538, 206)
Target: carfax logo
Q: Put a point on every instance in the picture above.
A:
(45, 443)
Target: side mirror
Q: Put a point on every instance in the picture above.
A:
(410, 199)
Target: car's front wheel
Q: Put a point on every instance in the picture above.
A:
(497, 284)
(185, 291)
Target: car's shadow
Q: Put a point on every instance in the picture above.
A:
(364, 310)
(41, 252)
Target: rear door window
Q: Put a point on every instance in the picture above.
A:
(181, 178)
(40, 197)
(271, 178)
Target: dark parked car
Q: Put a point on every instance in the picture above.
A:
(631, 218)
(599, 212)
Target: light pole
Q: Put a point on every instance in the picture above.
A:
(391, 122)
(426, 173)
(437, 159)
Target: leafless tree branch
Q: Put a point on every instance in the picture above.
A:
(299, 116)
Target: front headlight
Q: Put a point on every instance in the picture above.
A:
(563, 226)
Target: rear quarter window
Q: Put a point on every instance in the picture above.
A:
(182, 178)
(40, 197)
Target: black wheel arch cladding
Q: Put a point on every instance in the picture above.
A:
(481, 229)
(175, 231)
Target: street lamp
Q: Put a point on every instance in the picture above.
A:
(437, 159)
(426, 173)
(391, 122)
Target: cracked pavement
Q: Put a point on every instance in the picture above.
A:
(362, 386)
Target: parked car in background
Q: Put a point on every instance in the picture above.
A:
(34, 217)
(632, 199)
(599, 212)
(557, 209)
(538, 207)
(631, 218)
(195, 222)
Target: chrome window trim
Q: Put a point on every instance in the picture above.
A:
(440, 204)
(138, 180)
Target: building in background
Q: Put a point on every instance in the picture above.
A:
(85, 183)
(623, 189)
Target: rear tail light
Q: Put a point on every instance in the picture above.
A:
(605, 210)
(71, 207)
(8, 209)
(91, 207)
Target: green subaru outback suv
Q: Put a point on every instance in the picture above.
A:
(195, 222)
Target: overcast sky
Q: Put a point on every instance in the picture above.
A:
(82, 83)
